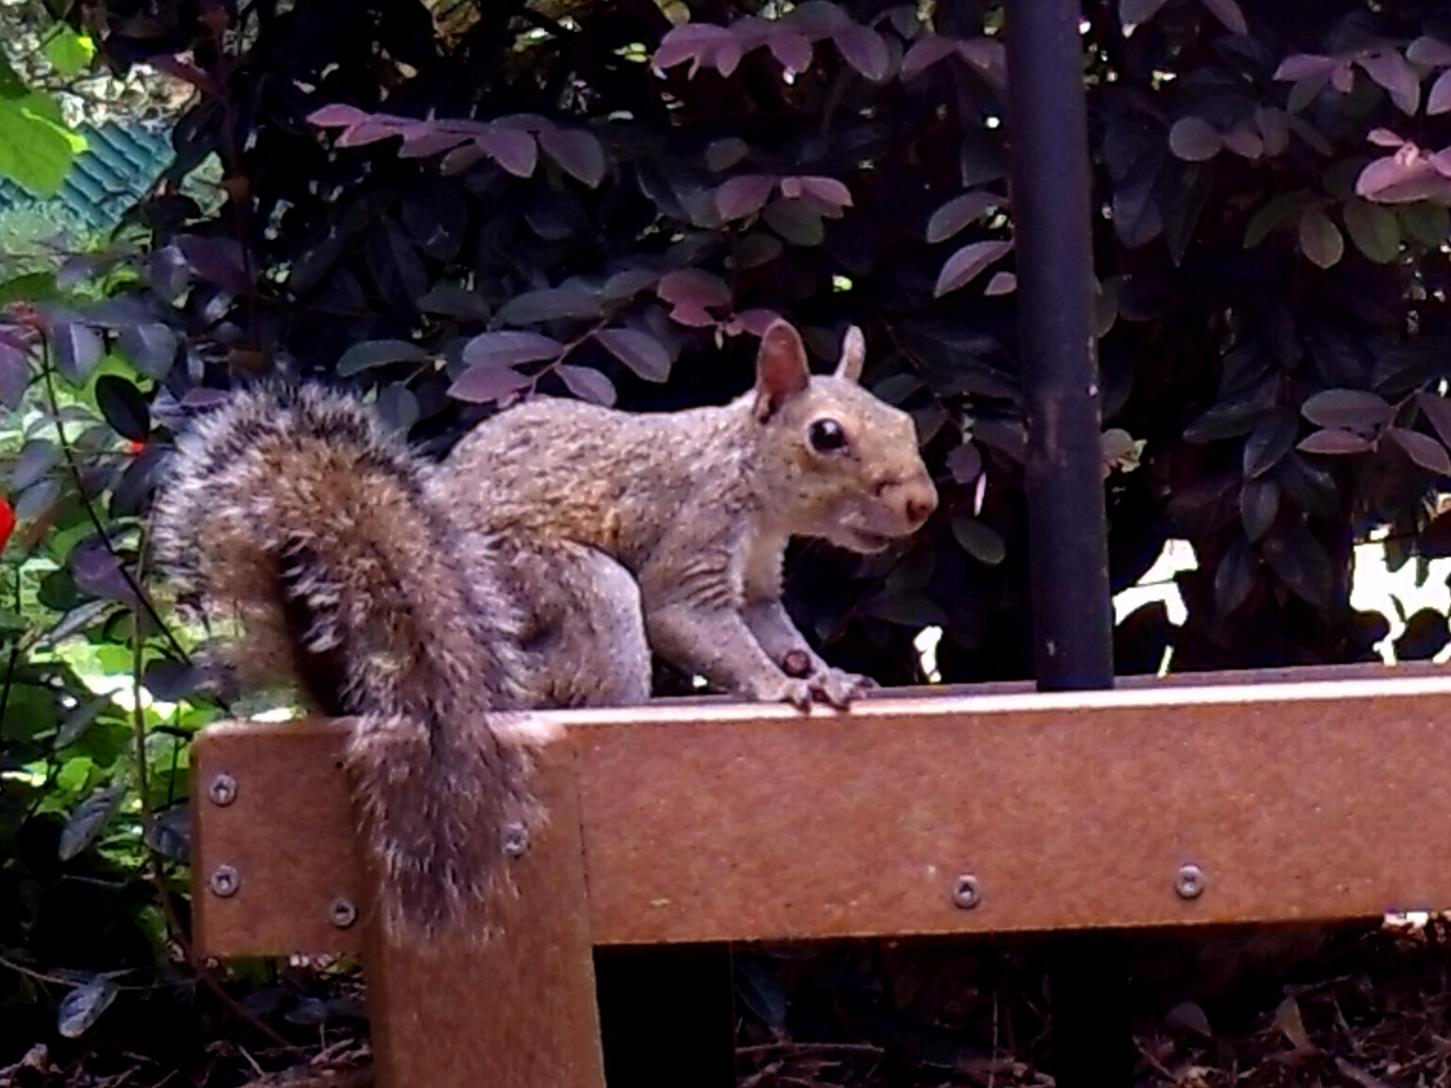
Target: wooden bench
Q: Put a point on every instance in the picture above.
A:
(1238, 798)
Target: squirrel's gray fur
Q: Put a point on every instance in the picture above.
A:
(537, 566)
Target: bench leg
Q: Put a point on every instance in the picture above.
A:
(520, 1011)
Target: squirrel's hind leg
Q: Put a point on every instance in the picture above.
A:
(587, 645)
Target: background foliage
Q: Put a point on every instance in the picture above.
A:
(450, 206)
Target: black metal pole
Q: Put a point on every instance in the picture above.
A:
(1067, 524)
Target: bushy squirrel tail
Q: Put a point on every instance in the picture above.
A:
(295, 512)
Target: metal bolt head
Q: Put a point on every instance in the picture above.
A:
(223, 790)
(1189, 881)
(225, 881)
(514, 839)
(966, 892)
(342, 913)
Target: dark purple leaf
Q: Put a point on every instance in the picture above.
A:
(1233, 578)
(1134, 13)
(790, 48)
(98, 572)
(451, 300)
(85, 823)
(1274, 128)
(337, 115)
(1001, 283)
(1354, 409)
(374, 130)
(514, 151)
(421, 142)
(587, 383)
(1272, 438)
(965, 463)
(864, 50)
(1194, 139)
(436, 217)
(171, 680)
(1437, 410)
(549, 304)
(150, 347)
(743, 196)
(1422, 449)
(967, 263)
(128, 497)
(503, 349)
(924, 53)
(755, 322)
(372, 353)
(1320, 240)
(639, 351)
(1298, 66)
(14, 374)
(1334, 442)
(35, 501)
(216, 260)
(488, 381)
(1300, 562)
(701, 44)
(827, 190)
(957, 213)
(627, 284)
(461, 158)
(77, 349)
(578, 153)
(1439, 100)
(1228, 12)
(394, 264)
(1245, 143)
(1390, 70)
(1259, 502)
(694, 287)
(37, 457)
(1429, 51)
(124, 407)
(1408, 175)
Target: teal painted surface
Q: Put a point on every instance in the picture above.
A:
(118, 167)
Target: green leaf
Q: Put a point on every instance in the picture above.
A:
(36, 147)
(1426, 222)
(69, 53)
(371, 353)
(1320, 240)
(1373, 229)
(980, 541)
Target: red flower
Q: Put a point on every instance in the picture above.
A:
(7, 523)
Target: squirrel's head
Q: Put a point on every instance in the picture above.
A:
(844, 465)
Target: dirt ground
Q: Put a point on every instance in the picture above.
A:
(1362, 1008)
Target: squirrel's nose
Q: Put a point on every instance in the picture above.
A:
(919, 499)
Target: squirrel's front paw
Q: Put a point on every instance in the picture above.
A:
(785, 690)
(839, 688)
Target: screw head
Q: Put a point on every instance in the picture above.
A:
(223, 789)
(225, 881)
(966, 893)
(342, 913)
(515, 839)
(1189, 881)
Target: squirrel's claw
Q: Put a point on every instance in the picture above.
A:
(839, 688)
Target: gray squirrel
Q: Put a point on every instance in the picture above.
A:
(536, 566)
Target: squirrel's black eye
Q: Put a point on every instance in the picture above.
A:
(827, 436)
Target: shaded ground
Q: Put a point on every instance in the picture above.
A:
(1269, 1010)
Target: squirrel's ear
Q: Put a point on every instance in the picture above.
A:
(853, 355)
(781, 370)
